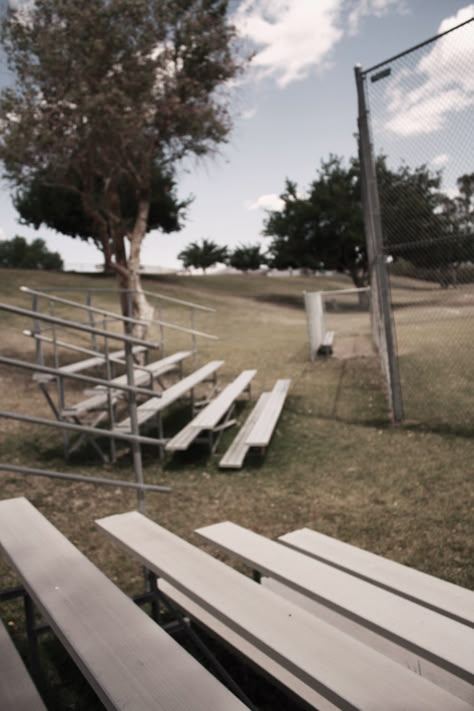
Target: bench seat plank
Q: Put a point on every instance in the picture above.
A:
(17, 691)
(441, 641)
(217, 408)
(156, 404)
(439, 595)
(262, 431)
(235, 455)
(255, 656)
(340, 668)
(127, 658)
(209, 417)
(79, 365)
(141, 377)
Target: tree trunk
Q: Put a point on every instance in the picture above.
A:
(141, 308)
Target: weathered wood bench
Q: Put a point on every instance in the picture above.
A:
(17, 691)
(130, 662)
(155, 405)
(322, 665)
(259, 426)
(210, 417)
(439, 648)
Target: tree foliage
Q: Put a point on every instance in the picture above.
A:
(17, 253)
(109, 95)
(202, 255)
(324, 227)
(247, 257)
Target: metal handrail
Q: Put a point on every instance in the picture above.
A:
(78, 326)
(5, 467)
(154, 294)
(104, 312)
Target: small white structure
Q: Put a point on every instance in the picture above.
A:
(314, 306)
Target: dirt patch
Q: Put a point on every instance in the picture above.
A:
(353, 347)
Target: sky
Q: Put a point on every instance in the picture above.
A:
(297, 103)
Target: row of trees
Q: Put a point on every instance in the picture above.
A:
(245, 257)
(17, 253)
(323, 228)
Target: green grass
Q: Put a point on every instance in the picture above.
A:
(335, 463)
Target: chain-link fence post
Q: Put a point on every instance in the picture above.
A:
(374, 238)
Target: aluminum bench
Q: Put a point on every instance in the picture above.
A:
(258, 429)
(325, 349)
(322, 663)
(439, 648)
(17, 691)
(155, 405)
(209, 418)
(142, 376)
(87, 363)
(436, 594)
(129, 660)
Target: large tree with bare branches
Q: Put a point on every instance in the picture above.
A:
(109, 96)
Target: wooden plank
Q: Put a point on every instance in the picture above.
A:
(17, 691)
(344, 671)
(156, 404)
(217, 408)
(127, 658)
(235, 455)
(441, 641)
(262, 431)
(439, 595)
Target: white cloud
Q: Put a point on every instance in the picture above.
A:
(372, 7)
(248, 114)
(265, 202)
(440, 161)
(442, 81)
(294, 37)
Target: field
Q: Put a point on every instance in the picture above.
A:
(335, 464)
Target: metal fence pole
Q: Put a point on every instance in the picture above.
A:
(132, 403)
(373, 227)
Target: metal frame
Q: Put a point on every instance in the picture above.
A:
(374, 238)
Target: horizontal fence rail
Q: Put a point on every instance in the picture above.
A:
(15, 363)
(97, 481)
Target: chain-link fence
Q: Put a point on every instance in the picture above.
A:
(420, 218)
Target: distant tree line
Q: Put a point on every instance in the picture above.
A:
(323, 227)
(204, 254)
(17, 253)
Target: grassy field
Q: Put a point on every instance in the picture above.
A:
(335, 463)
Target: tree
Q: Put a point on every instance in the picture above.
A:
(109, 95)
(202, 256)
(18, 254)
(41, 203)
(323, 228)
(423, 225)
(247, 257)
